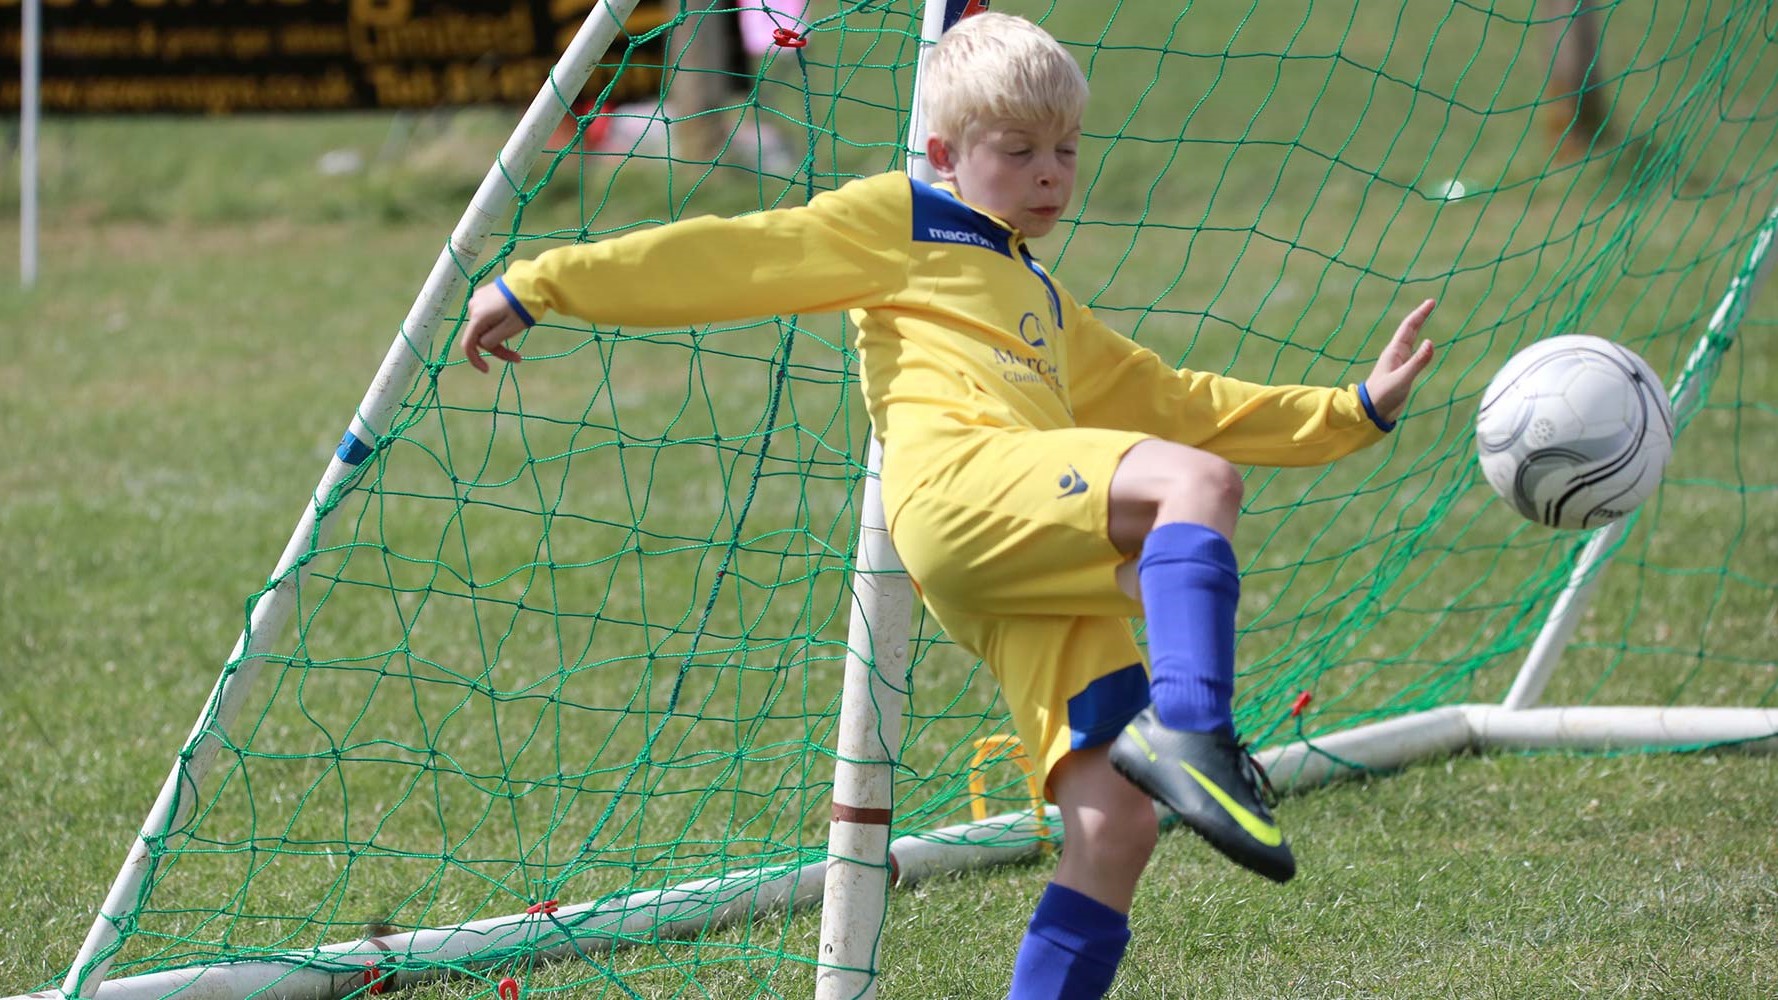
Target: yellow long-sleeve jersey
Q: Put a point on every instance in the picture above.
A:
(960, 329)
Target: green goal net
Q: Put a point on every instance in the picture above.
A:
(573, 640)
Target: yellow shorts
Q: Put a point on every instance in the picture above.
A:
(1008, 543)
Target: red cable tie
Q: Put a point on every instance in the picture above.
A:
(788, 39)
(1302, 702)
(508, 989)
(547, 906)
(373, 979)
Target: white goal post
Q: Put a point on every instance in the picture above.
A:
(863, 863)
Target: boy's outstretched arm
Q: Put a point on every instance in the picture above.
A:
(846, 249)
(1118, 384)
(1402, 361)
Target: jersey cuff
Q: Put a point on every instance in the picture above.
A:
(524, 314)
(1370, 410)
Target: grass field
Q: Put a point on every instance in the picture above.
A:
(489, 639)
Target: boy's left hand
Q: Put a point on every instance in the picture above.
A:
(1392, 380)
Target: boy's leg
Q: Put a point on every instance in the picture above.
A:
(1072, 684)
(1177, 506)
(1078, 934)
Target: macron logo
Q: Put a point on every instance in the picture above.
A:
(959, 236)
(1071, 484)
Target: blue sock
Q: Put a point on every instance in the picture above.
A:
(1071, 949)
(1190, 588)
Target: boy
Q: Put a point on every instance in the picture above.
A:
(1045, 479)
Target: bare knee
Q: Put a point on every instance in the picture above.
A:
(1162, 483)
(1118, 840)
(1215, 479)
(1128, 839)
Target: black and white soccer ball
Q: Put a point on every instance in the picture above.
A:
(1574, 431)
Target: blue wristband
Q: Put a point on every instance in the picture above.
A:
(519, 307)
(1370, 410)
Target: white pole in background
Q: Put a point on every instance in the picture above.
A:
(30, 48)
(860, 865)
(855, 894)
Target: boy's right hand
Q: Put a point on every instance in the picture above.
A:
(492, 322)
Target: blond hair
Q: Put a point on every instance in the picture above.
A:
(999, 68)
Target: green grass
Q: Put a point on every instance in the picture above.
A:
(505, 606)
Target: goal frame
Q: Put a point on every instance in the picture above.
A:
(864, 862)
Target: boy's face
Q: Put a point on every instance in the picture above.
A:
(1021, 172)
